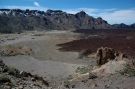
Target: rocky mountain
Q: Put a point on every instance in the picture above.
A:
(132, 25)
(17, 20)
(123, 26)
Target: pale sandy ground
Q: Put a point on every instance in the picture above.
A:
(45, 60)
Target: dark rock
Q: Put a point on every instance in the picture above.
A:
(105, 54)
(81, 14)
(14, 72)
(1, 63)
(4, 79)
(41, 79)
(92, 76)
(5, 68)
(24, 74)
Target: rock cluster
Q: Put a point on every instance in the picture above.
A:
(11, 78)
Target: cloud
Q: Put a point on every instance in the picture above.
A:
(36, 4)
(74, 11)
(119, 16)
(113, 16)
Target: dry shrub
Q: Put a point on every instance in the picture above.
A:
(10, 50)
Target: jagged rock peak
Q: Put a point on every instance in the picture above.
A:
(48, 20)
(49, 11)
(81, 13)
(133, 25)
(99, 18)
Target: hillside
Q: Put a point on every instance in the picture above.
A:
(16, 20)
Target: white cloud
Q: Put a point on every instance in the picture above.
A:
(74, 11)
(36, 4)
(113, 16)
(119, 16)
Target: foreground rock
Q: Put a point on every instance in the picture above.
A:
(105, 54)
(11, 78)
(115, 72)
(111, 67)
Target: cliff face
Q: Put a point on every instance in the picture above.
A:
(16, 20)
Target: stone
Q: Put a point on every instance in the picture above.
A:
(105, 54)
(92, 76)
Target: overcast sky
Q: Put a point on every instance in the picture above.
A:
(114, 11)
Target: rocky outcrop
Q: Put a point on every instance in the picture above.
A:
(105, 54)
(19, 20)
(11, 78)
(110, 67)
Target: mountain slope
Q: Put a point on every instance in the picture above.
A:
(16, 20)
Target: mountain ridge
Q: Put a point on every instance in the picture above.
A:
(17, 20)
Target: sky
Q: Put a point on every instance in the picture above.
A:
(114, 11)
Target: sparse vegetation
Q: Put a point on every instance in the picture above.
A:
(82, 70)
(10, 50)
(128, 71)
(67, 84)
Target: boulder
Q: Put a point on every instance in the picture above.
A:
(105, 54)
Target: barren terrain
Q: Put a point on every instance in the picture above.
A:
(46, 60)
(122, 40)
(56, 57)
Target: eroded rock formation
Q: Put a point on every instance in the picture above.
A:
(105, 54)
